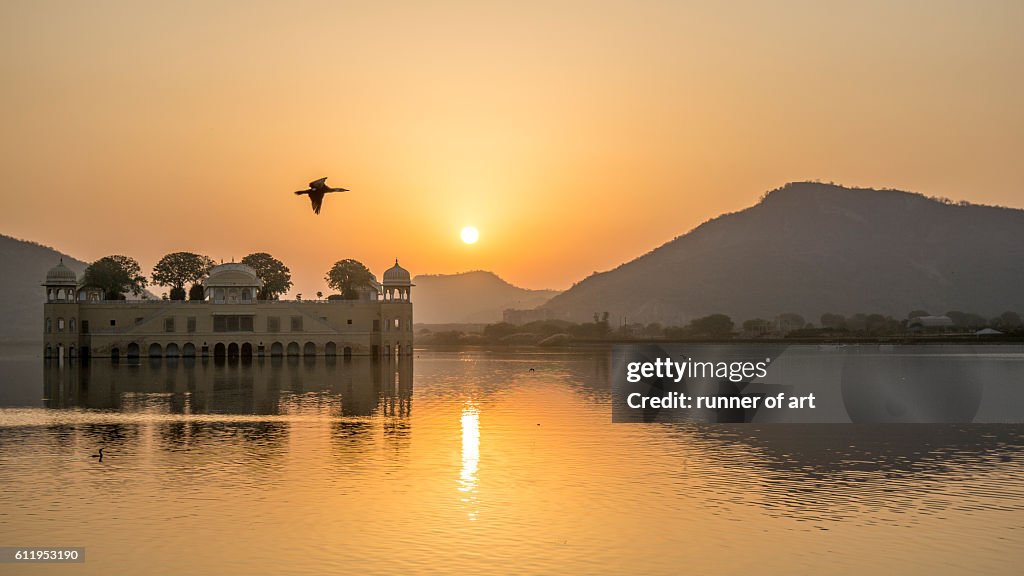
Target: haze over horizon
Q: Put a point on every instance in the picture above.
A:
(574, 136)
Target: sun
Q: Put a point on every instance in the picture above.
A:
(470, 235)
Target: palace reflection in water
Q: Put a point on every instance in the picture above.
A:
(319, 466)
(314, 386)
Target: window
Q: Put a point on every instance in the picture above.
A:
(60, 324)
(85, 326)
(72, 325)
(349, 321)
(113, 322)
(245, 295)
(397, 324)
(169, 324)
(273, 324)
(49, 325)
(376, 325)
(296, 323)
(232, 323)
(191, 324)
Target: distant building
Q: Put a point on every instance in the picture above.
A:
(520, 317)
(930, 324)
(229, 322)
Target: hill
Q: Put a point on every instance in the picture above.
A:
(469, 297)
(812, 248)
(23, 267)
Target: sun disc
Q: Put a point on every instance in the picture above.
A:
(470, 235)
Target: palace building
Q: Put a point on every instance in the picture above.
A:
(229, 322)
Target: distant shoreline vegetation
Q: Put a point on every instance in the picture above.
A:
(918, 326)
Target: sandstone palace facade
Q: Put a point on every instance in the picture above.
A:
(229, 322)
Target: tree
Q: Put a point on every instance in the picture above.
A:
(196, 292)
(348, 276)
(276, 277)
(716, 325)
(1008, 320)
(966, 319)
(116, 275)
(833, 321)
(179, 268)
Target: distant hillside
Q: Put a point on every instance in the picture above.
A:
(470, 297)
(812, 248)
(23, 267)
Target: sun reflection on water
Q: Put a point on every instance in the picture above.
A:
(470, 457)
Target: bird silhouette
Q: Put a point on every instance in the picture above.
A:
(316, 191)
(100, 455)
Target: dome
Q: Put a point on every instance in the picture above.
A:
(232, 275)
(61, 274)
(397, 276)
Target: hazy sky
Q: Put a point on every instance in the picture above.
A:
(574, 135)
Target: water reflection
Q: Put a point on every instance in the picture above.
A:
(470, 457)
(319, 467)
(275, 386)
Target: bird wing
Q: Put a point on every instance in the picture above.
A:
(317, 200)
(301, 192)
(337, 189)
(321, 183)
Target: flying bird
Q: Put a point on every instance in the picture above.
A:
(316, 191)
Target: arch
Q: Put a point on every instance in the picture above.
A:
(347, 352)
(188, 350)
(232, 350)
(72, 325)
(115, 353)
(219, 351)
(331, 349)
(72, 353)
(49, 325)
(387, 349)
(246, 295)
(133, 350)
(276, 350)
(172, 350)
(60, 324)
(49, 352)
(246, 350)
(309, 349)
(155, 350)
(293, 348)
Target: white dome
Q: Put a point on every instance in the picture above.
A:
(397, 276)
(232, 274)
(62, 275)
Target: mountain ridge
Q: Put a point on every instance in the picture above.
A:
(24, 267)
(828, 235)
(475, 296)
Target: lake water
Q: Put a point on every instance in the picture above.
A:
(468, 462)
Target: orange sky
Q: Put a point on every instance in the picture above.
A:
(574, 135)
